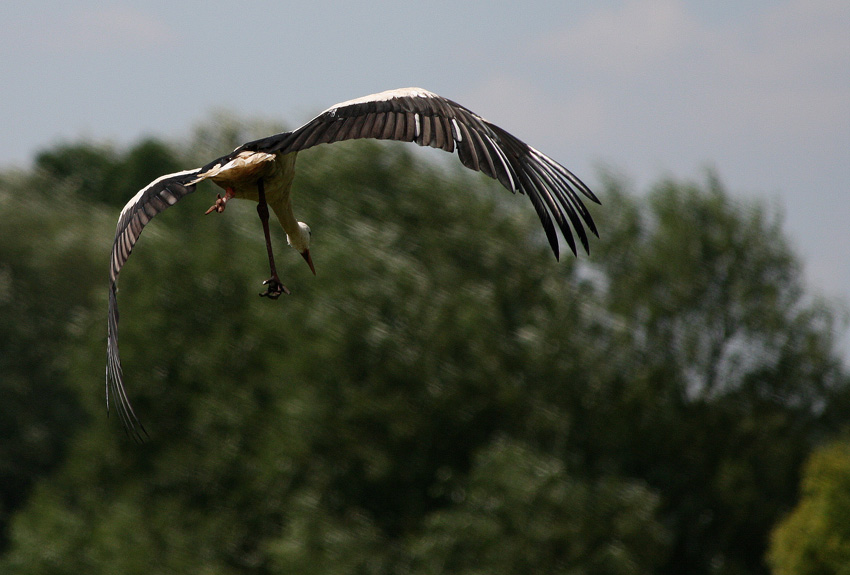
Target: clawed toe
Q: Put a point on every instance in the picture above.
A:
(274, 288)
(218, 206)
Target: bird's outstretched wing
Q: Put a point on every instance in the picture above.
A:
(406, 115)
(147, 203)
(416, 115)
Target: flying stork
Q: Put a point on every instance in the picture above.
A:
(263, 171)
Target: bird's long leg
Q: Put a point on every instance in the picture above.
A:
(274, 287)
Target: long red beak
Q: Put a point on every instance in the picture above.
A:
(306, 255)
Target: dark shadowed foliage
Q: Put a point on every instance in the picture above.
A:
(443, 397)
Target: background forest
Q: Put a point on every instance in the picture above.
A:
(443, 397)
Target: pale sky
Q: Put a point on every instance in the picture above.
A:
(759, 90)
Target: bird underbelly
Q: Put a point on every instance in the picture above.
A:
(241, 174)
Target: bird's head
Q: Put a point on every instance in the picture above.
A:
(302, 244)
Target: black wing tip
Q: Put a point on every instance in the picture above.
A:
(115, 388)
(132, 429)
(134, 433)
(556, 249)
(588, 193)
(592, 227)
(115, 377)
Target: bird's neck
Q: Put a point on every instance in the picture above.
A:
(288, 222)
(278, 187)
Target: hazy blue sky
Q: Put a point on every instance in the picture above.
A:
(760, 90)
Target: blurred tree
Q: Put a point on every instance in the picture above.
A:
(815, 538)
(51, 260)
(100, 173)
(726, 372)
(141, 164)
(47, 299)
(88, 169)
(441, 385)
(522, 513)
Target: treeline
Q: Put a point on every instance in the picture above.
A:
(443, 397)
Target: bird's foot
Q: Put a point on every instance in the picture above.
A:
(274, 288)
(218, 206)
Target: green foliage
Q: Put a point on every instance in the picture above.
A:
(815, 538)
(728, 365)
(88, 168)
(522, 513)
(47, 301)
(442, 397)
(101, 173)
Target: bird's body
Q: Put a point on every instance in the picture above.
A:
(242, 172)
(239, 179)
(263, 171)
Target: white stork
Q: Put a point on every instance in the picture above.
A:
(263, 171)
